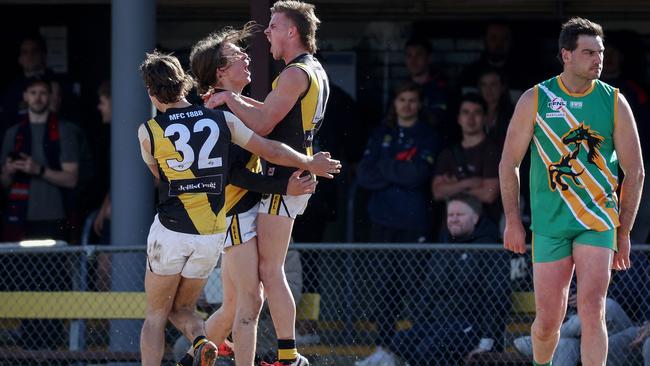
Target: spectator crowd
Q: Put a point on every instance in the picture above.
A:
(428, 174)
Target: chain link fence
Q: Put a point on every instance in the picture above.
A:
(419, 304)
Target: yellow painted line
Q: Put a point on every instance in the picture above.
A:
(72, 305)
(523, 302)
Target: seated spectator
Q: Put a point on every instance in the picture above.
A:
(397, 164)
(494, 90)
(396, 168)
(471, 166)
(465, 222)
(435, 96)
(465, 297)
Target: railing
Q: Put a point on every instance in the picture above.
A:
(60, 301)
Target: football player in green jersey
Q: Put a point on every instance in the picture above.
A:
(579, 131)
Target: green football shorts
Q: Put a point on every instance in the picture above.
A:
(550, 249)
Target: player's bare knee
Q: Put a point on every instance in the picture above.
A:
(179, 308)
(254, 299)
(592, 313)
(546, 327)
(270, 274)
(155, 318)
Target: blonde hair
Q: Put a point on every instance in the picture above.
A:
(303, 17)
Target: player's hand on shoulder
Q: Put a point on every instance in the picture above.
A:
(216, 99)
(324, 166)
(298, 185)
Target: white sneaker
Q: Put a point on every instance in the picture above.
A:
(380, 357)
(524, 345)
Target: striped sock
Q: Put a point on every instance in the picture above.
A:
(198, 341)
(287, 352)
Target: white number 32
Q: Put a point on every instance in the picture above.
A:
(182, 146)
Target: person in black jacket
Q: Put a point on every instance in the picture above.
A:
(397, 167)
(465, 295)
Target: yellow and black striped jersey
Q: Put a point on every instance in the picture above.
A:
(191, 147)
(245, 181)
(298, 127)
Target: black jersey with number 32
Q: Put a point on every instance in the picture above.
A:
(298, 127)
(191, 148)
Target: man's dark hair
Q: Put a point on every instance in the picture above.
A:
(406, 86)
(493, 70)
(469, 200)
(164, 77)
(574, 28)
(35, 80)
(418, 41)
(473, 98)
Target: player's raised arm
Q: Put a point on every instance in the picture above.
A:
(262, 117)
(320, 164)
(520, 133)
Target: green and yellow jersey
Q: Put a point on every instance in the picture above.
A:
(573, 173)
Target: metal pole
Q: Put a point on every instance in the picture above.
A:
(133, 34)
(259, 51)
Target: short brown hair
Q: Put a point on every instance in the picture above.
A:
(469, 200)
(406, 86)
(35, 80)
(164, 77)
(574, 28)
(303, 17)
(207, 54)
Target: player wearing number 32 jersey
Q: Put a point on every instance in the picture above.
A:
(186, 148)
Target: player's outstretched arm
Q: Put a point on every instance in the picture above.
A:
(262, 117)
(520, 133)
(628, 150)
(294, 186)
(276, 152)
(320, 164)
